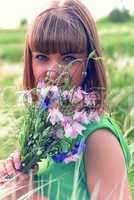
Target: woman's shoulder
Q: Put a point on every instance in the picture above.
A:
(106, 134)
(102, 147)
(104, 163)
(105, 122)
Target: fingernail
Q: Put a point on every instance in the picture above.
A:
(2, 180)
(17, 166)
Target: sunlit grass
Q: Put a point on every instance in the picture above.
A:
(116, 38)
(11, 44)
(11, 187)
(118, 44)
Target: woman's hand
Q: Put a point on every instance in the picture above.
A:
(14, 183)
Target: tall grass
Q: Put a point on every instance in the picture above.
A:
(11, 44)
(48, 185)
(118, 44)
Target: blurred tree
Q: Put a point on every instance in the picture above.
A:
(117, 15)
(23, 22)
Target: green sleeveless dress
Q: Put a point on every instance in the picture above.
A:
(60, 181)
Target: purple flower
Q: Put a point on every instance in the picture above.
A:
(74, 150)
(48, 103)
(66, 95)
(79, 147)
(82, 146)
(59, 157)
(54, 99)
(45, 103)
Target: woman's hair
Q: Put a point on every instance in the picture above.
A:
(66, 26)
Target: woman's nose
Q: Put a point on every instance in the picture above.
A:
(51, 74)
(52, 71)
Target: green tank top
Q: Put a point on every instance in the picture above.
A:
(60, 181)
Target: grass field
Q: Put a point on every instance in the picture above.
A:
(117, 41)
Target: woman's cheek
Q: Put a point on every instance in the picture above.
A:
(38, 71)
(76, 74)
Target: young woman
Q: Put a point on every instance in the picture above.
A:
(64, 32)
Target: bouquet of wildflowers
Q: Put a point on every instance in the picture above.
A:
(54, 123)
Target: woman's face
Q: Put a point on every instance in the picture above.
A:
(44, 63)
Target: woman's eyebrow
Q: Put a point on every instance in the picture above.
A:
(38, 52)
(71, 53)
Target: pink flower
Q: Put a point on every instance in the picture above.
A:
(91, 98)
(55, 90)
(94, 116)
(69, 132)
(40, 84)
(76, 95)
(55, 116)
(78, 128)
(71, 158)
(67, 120)
(66, 94)
(93, 95)
(72, 128)
(81, 117)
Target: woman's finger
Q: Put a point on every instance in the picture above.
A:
(16, 159)
(22, 177)
(9, 166)
(3, 171)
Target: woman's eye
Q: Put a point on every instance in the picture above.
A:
(42, 58)
(69, 59)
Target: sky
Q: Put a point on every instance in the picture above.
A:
(12, 11)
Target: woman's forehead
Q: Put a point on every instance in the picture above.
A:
(63, 47)
(53, 34)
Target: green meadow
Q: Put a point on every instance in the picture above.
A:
(117, 42)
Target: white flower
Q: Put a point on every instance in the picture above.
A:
(44, 92)
(26, 96)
